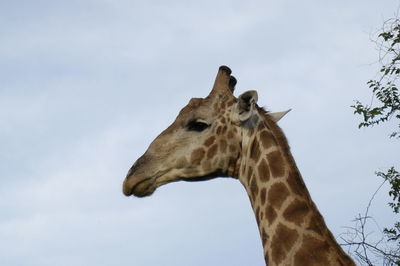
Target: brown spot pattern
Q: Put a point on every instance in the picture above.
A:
(254, 150)
(313, 252)
(219, 128)
(212, 151)
(276, 164)
(316, 223)
(270, 214)
(197, 155)
(296, 212)
(263, 171)
(277, 195)
(267, 139)
(282, 242)
(223, 145)
(209, 141)
(296, 183)
(254, 189)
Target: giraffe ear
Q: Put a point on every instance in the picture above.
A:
(278, 115)
(246, 105)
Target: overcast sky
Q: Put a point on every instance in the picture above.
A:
(85, 86)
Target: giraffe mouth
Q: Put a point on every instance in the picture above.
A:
(141, 189)
(142, 186)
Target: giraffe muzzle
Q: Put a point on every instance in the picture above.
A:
(139, 189)
(137, 181)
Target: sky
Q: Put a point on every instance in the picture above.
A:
(87, 85)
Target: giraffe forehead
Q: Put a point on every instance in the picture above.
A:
(214, 108)
(198, 108)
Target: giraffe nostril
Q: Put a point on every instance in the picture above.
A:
(135, 169)
(143, 159)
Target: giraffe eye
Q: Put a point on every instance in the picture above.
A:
(196, 125)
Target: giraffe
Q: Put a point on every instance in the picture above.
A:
(225, 136)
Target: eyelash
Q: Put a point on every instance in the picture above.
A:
(197, 126)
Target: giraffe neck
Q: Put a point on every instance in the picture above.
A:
(292, 230)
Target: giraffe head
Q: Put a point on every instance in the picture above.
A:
(203, 142)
